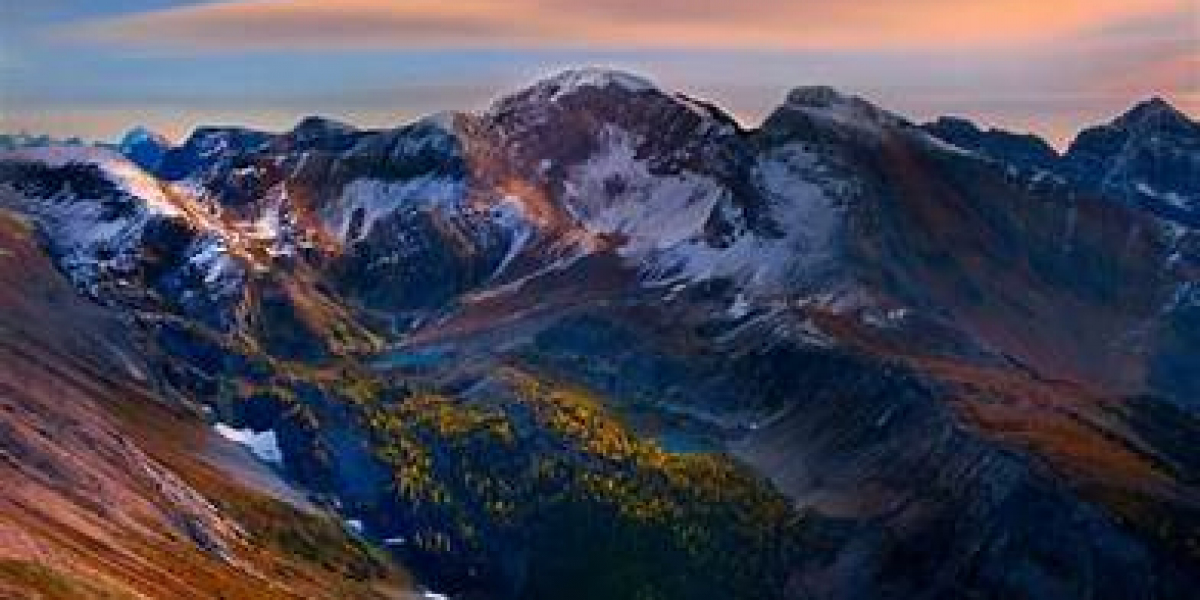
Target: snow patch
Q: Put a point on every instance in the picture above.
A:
(100, 236)
(127, 176)
(937, 143)
(1173, 198)
(571, 81)
(262, 445)
(91, 236)
(740, 307)
(374, 199)
(222, 275)
(885, 318)
(614, 192)
(509, 214)
(806, 203)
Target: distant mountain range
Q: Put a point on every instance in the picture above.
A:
(14, 141)
(602, 338)
(1147, 157)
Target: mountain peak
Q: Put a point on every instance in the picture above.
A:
(1151, 106)
(313, 126)
(141, 135)
(826, 98)
(819, 96)
(1153, 112)
(569, 82)
(836, 113)
(1023, 150)
(144, 148)
(955, 124)
(1145, 157)
(597, 77)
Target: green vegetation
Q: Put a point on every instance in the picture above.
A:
(534, 491)
(545, 492)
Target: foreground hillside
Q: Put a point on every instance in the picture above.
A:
(600, 341)
(114, 487)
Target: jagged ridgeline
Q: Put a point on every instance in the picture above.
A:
(602, 341)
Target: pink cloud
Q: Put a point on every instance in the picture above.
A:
(709, 24)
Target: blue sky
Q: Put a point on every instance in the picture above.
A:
(95, 68)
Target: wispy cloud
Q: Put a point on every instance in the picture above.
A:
(241, 25)
(1047, 66)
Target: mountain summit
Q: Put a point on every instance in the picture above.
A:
(1149, 156)
(144, 147)
(1154, 114)
(1146, 157)
(569, 82)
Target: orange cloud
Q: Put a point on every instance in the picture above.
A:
(614, 24)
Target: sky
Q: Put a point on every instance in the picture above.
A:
(95, 68)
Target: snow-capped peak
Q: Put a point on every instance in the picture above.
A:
(126, 175)
(569, 82)
(597, 77)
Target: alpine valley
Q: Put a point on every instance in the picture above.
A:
(602, 341)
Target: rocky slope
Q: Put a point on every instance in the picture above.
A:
(115, 488)
(601, 341)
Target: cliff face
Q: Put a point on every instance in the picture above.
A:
(601, 338)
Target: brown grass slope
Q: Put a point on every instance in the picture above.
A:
(107, 492)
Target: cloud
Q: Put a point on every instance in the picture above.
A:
(1023, 64)
(240, 25)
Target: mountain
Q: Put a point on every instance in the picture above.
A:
(144, 148)
(114, 487)
(601, 337)
(10, 142)
(208, 146)
(1023, 151)
(1147, 156)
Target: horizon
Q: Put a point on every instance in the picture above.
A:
(179, 136)
(72, 68)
